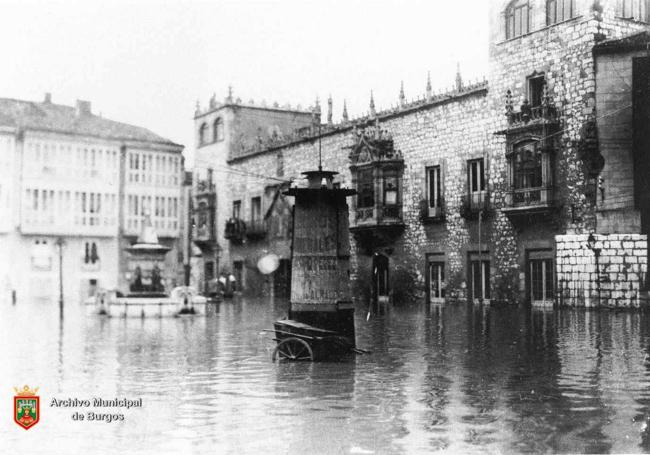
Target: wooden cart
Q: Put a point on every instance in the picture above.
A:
(299, 341)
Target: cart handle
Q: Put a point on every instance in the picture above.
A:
(297, 335)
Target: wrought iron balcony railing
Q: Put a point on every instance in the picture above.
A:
(474, 203)
(379, 213)
(544, 112)
(203, 233)
(235, 230)
(432, 213)
(256, 229)
(529, 197)
(204, 186)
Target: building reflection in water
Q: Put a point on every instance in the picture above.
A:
(456, 378)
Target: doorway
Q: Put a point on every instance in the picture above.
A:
(209, 275)
(540, 278)
(435, 278)
(380, 279)
(479, 277)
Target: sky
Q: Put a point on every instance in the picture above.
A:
(148, 62)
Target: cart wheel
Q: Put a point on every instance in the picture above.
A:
(293, 349)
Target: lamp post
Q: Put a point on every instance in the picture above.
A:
(60, 243)
(591, 244)
(480, 251)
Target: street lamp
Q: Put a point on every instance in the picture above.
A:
(60, 243)
(591, 244)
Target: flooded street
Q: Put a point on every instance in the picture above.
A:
(452, 378)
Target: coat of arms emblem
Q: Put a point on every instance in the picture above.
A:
(26, 407)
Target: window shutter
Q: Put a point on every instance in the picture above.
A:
(469, 178)
(443, 168)
(486, 165)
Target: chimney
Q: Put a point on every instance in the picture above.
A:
(82, 108)
(48, 98)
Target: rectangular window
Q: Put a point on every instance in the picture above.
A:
(366, 189)
(256, 208)
(517, 18)
(634, 9)
(526, 165)
(476, 170)
(434, 187)
(536, 90)
(390, 187)
(91, 256)
(236, 210)
(559, 11)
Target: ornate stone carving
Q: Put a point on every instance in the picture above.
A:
(373, 144)
(588, 149)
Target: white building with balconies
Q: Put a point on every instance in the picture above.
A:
(70, 177)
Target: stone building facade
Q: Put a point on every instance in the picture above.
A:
(226, 130)
(497, 190)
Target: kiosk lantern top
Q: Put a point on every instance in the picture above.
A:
(320, 180)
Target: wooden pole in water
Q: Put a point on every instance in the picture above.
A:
(480, 264)
(60, 242)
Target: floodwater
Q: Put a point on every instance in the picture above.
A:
(453, 379)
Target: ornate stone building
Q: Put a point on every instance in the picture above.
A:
(526, 188)
(225, 131)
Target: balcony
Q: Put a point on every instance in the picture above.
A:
(204, 186)
(378, 215)
(235, 230)
(473, 204)
(256, 229)
(203, 235)
(544, 115)
(529, 202)
(377, 226)
(537, 114)
(429, 215)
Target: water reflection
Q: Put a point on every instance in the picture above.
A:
(451, 378)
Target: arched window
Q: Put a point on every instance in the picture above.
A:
(635, 9)
(559, 11)
(91, 256)
(517, 18)
(203, 131)
(94, 257)
(217, 132)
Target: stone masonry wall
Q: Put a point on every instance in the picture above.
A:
(445, 133)
(563, 53)
(616, 280)
(448, 131)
